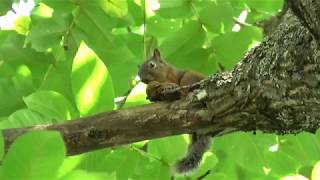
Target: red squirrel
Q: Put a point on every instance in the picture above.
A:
(159, 75)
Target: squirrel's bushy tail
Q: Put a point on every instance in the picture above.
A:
(198, 146)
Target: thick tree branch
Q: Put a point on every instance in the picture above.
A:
(275, 88)
(308, 11)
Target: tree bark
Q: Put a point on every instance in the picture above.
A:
(275, 88)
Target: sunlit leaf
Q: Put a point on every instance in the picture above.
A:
(137, 96)
(117, 8)
(91, 83)
(316, 171)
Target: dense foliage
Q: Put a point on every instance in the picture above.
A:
(72, 58)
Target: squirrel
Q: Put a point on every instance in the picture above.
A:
(159, 75)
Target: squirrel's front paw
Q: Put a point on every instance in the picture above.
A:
(162, 91)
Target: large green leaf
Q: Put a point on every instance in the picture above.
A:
(13, 54)
(15, 82)
(156, 171)
(208, 162)
(161, 27)
(270, 6)
(316, 171)
(304, 147)
(35, 155)
(24, 118)
(5, 6)
(51, 105)
(94, 27)
(174, 8)
(124, 162)
(168, 149)
(47, 30)
(60, 7)
(217, 16)
(137, 96)
(281, 164)
(232, 151)
(58, 78)
(114, 7)
(189, 37)
(45, 33)
(91, 83)
(237, 43)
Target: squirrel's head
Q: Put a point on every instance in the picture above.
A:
(154, 69)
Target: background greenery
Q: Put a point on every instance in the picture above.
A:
(72, 58)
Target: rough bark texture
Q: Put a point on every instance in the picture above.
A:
(275, 88)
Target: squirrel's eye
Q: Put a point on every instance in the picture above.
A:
(152, 65)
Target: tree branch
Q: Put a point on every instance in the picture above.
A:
(275, 88)
(308, 11)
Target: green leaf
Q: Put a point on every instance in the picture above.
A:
(114, 8)
(136, 12)
(13, 54)
(237, 43)
(217, 16)
(94, 161)
(124, 163)
(94, 27)
(13, 89)
(198, 59)
(53, 81)
(137, 96)
(25, 160)
(161, 27)
(156, 171)
(51, 105)
(174, 8)
(270, 6)
(303, 147)
(21, 24)
(316, 171)
(84, 175)
(91, 83)
(46, 33)
(281, 164)
(5, 6)
(168, 149)
(24, 118)
(60, 6)
(189, 37)
(208, 162)
(232, 151)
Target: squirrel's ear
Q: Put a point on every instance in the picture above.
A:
(156, 54)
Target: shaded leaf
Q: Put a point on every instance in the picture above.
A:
(24, 160)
